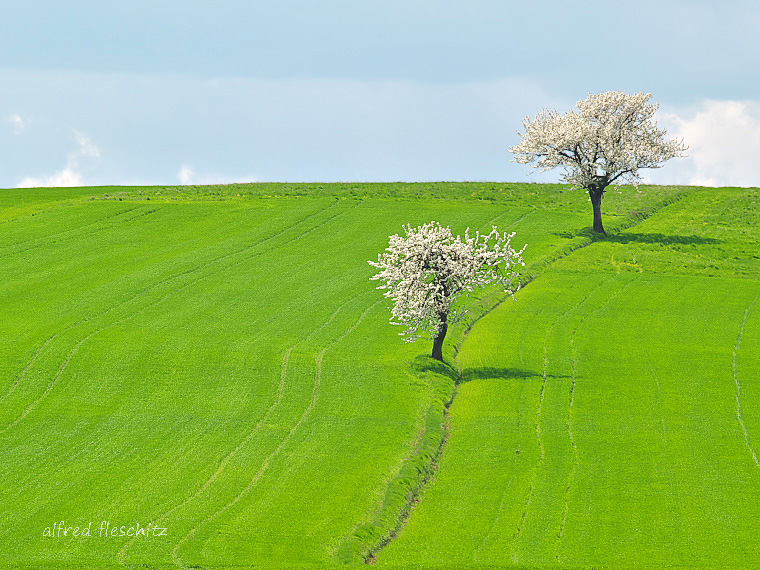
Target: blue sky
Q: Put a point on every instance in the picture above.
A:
(167, 92)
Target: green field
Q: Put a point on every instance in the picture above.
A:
(214, 361)
(612, 417)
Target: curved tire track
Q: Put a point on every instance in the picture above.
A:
(571, 436)
(267, 461)
(187, 272)
(257, 428)
(735, 368)
(570, 432)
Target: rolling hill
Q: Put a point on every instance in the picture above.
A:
(214, 361)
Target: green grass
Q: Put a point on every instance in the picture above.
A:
(610, 417)
(215, 360)
(223, 368)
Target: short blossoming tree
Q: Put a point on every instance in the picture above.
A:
(427, 272)
(610, 138)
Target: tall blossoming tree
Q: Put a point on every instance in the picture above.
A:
(611, 137)
(427, 272)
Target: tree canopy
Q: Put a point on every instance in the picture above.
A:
(428, 271)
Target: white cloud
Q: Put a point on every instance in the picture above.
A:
(86, 148)
(185, 175)
(724, 143)
(70, 175)
(17, 122)
(64, 178)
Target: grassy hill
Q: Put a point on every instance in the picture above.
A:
(215, 361)
(611, 418)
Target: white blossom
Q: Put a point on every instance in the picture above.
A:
(428, 271)
(610, 138)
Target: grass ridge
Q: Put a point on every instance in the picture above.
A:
(404, 490)
(265, 465)
(739, 386)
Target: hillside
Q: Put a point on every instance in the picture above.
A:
(610, 418)
(214, 361)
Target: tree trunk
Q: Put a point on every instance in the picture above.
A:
(438, 341)
(596, 202)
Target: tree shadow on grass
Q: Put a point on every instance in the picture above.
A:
(422, 364)
(648, 238)
(587, 233)
(490, 372)
(662, 239)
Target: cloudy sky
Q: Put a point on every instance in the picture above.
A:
(192, 92)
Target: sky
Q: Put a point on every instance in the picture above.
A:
(220, 91)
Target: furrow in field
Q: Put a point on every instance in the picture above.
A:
(325, 222)
(29, 365)
(145, 291)
(487, 226)
(89, 234)
(33, 405)
(268, 460)
(659, 400)
(573, 384)
(257, 428)
(735, 367)
(502, 501)
(412, 497)
(658, 384)
(46, 239)
(531, 487)
(516, 536)
(539, 413)
(542, 452)
(521, 218)
(571, 434)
